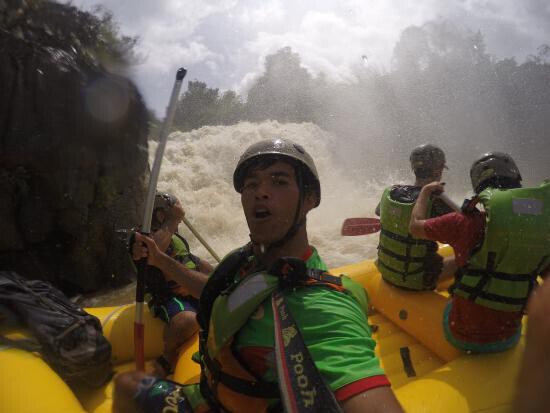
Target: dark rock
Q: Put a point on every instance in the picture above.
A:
(72, 157)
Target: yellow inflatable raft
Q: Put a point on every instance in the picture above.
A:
(427, 374)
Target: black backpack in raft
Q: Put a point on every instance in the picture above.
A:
(69, 339)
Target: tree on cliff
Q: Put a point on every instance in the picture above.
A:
(201, 105)
(283, 92)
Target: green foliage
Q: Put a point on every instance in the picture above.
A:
(201, 105)
(284, 91)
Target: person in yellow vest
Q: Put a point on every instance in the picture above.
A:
(500, 250)
(277, 331)
(168, 300)
(404, 260)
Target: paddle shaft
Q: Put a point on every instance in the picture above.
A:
(139, 330)
(201, 239)
(452, 204)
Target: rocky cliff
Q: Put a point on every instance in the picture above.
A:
(73, 149)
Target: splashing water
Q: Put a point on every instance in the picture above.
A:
(198, 168)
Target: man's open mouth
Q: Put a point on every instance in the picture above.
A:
(261, 213)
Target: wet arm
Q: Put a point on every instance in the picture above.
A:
(205, 267)
(419, 215)
(163, 237)
(192, 281)
(420, 210)
(169, 227)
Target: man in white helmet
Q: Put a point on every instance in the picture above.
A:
(272, 319)
(500, 251)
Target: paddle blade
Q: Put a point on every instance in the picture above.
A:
(360, 226)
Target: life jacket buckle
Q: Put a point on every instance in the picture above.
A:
(291, 271)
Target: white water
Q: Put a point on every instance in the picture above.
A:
(198, 168)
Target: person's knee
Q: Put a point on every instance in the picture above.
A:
(183, 325)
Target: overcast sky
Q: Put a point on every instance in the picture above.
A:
(224, 42)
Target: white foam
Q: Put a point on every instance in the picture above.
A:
(198, 168)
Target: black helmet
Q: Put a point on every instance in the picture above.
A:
(493, 165)
(278, 147)
(164, 201)
(427, 158)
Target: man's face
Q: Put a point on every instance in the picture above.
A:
(270, 198)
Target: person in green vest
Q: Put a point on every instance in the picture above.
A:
(500, 250)
(168, 300)
(272, 319)
(403, 260)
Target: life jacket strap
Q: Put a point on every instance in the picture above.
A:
(294, 272)
(403, 258)
(404, 274)
(491, 297)
(219, 280)
(486, 274)
(303, 389)
(406, 240)
(261, 389)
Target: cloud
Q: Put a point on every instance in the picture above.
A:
(224, 42)
(261, 13)
(334, 41)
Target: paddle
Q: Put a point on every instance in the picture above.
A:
(365, 226)
(360, 226)
(139, 328)
(201, 239)
(452, 204)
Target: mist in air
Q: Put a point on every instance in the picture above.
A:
(198, 168)
(443, 86)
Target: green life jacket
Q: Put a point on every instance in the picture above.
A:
(231, 310)
(179, 249)
(516, 247)
(226, 304)
(401, 257)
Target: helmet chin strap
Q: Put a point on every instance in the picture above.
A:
(296, 223)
